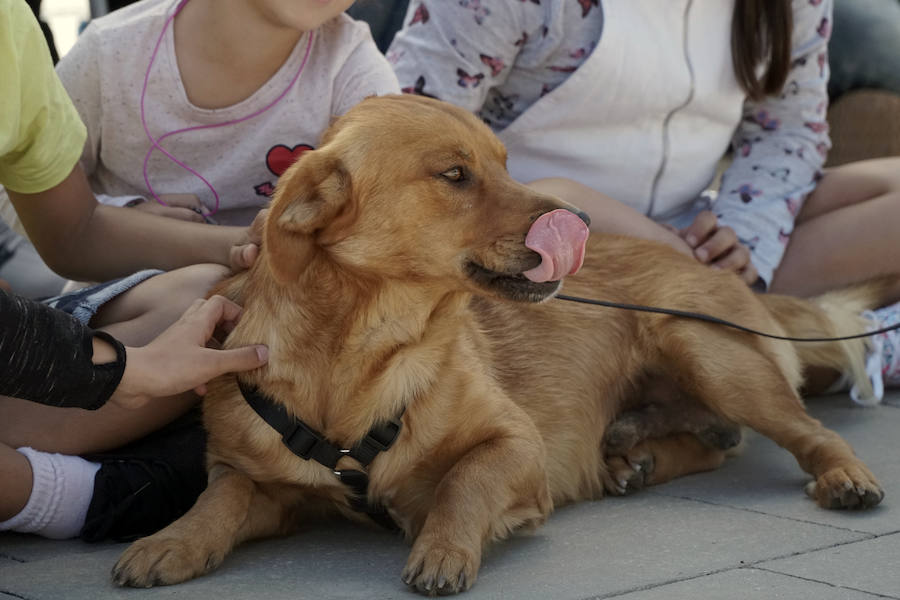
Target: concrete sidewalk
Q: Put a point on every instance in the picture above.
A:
(744, 532)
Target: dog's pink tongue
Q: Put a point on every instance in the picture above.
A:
(559, 237)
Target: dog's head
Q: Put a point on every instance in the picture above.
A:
(413, 188)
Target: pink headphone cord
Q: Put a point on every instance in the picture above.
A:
(155, 142)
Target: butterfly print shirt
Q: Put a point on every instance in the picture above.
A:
(497, 58)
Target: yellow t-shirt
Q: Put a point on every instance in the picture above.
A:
(41, 134)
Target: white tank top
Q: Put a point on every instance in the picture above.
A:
(672, 98)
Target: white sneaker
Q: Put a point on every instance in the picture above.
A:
(890, 344)
(874, 366)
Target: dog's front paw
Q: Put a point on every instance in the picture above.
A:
(629, 473)
(848, 487)
(162, 560)
(440, 567)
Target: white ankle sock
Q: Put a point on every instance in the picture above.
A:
(60, 496)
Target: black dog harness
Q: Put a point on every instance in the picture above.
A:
(307, 443)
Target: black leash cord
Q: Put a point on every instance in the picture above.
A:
(717, 320)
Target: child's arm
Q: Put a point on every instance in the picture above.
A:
(81, 239)
(780, 148)
(54, 359)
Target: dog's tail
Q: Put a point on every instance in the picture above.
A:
(834, 314)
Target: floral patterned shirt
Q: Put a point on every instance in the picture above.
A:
(498, 57)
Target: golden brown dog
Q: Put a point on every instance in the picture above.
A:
(391, 283)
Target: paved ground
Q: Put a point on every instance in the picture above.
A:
(743, 532)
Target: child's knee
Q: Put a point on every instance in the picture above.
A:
(892, 174)
(176, 290)
(147, 309)
(883, 173)
(196, 281)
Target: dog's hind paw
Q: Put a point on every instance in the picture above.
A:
(438, 567)
(623, 434)
(851, 487)
(630, 473)
(720, 436)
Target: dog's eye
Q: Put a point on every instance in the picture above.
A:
(454, 174)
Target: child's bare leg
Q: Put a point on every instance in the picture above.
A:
(846, 231)
(15, 472)
(142, 313)
(844, 234)
(76, 431)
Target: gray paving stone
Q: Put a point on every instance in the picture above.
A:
(748, 584)
(870, 566)
(766, 478)
(707, 536)
(600, 548)
(24, 548)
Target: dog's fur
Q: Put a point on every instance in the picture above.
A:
(390, 278)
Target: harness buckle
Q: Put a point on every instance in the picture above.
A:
(301, 440)
(384, 436)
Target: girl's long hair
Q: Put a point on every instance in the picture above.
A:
(761, 37)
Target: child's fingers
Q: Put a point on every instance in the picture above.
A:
(703, 226)
(217, 309)
(182, 214)
(171, 211)
(735, 260)
(739, 261)
(203, 316)
(239, 359)
(717, 245)
(243, 257)
(749, 274)
(185, 214)
(190, 201)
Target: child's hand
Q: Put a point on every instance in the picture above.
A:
(186, 207)
(245, 251)
(179, 360)
(671, 237)
(718, 247)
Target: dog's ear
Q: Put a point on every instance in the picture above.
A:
(312, 207)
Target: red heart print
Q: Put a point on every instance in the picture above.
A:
(280, 157)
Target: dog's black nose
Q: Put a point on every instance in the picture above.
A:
(581, 215)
